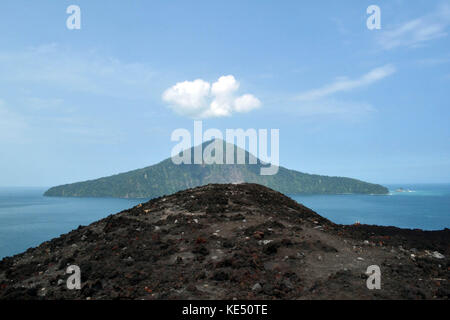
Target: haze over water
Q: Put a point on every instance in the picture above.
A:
(28, 219)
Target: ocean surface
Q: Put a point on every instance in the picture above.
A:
(28, 219)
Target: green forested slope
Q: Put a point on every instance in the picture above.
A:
(165, 178)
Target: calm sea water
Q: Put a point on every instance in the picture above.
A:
(426, 207)
(27, 218)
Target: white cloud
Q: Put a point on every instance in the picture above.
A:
(416, 32)
(200, 99)
(319, 102)
(225, 86)
(246, 103)
(189, 95)
(345, 84)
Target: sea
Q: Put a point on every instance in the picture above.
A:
(27, 218)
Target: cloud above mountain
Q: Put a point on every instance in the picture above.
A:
(201, 99)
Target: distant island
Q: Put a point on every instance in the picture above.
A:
(166, 178)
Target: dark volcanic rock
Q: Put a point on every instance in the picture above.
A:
(230, 241)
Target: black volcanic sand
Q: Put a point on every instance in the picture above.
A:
(230, 241)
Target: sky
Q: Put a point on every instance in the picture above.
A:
(103, 99)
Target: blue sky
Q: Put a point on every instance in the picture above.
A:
(81, 104)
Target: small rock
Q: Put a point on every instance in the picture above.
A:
(437, 255)
(360, 259)
(257, 288)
